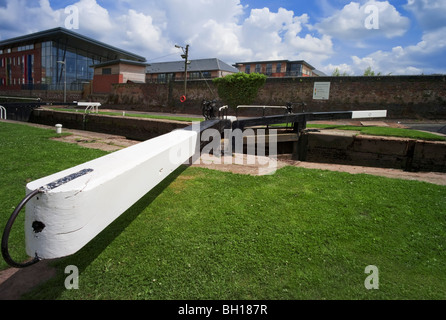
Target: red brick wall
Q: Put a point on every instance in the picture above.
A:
(402, 96)
(16, 70)
(103, 83)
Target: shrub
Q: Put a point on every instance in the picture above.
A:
(239, 88)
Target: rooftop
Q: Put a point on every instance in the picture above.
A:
(273, 61)
(211, 64)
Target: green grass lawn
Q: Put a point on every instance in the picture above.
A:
(384, 131)
(136, 115)
(202, 234)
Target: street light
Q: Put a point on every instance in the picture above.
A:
(185, 56)
(65, 81)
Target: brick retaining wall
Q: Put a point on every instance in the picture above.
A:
(414, 97)
(131, 128)
(384, 152)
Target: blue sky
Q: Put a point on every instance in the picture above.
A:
(401, 37)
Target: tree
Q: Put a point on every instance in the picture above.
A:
(370, 73)
(337, 73)
(239, 88)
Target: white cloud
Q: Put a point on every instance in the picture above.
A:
(93, 19)
(43, 17)
(281, 35)
(219, 41)
(429, 13)
(350, 22)
(343, 68)
(413, 59)
(230, 31)
(213, 28)
(137, 30)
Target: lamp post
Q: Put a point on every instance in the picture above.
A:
(64, 63)
(185, 56)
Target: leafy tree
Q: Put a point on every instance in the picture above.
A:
(239, 88)
(370, 73)
(337, 73)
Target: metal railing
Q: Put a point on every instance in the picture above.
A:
(261, 107)
(90, 106)
(53, 87)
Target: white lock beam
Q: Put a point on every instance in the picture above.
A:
(75, 205)
(369, 114)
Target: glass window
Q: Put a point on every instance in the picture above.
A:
(71, 67)
(106, 71)
(296, 69)
(279, 67)
(194, 75)
(82, 69)
(248, 69)
(25, 48)
(48, 61)
(269, 69)
(71, 55)
(161, 77)
(78, 62)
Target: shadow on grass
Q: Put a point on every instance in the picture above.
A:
(53, 288)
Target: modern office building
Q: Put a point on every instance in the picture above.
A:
(37, 61)
(197, 69)
(278, 68)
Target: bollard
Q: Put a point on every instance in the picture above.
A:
(58, 128)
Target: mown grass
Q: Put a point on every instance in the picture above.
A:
(384, 131)
(136, 115)
(298, 234)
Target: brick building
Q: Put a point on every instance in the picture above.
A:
(197, 69)
(117, 71)
(278, 68)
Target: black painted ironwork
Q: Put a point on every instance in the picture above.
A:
(36, 225)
